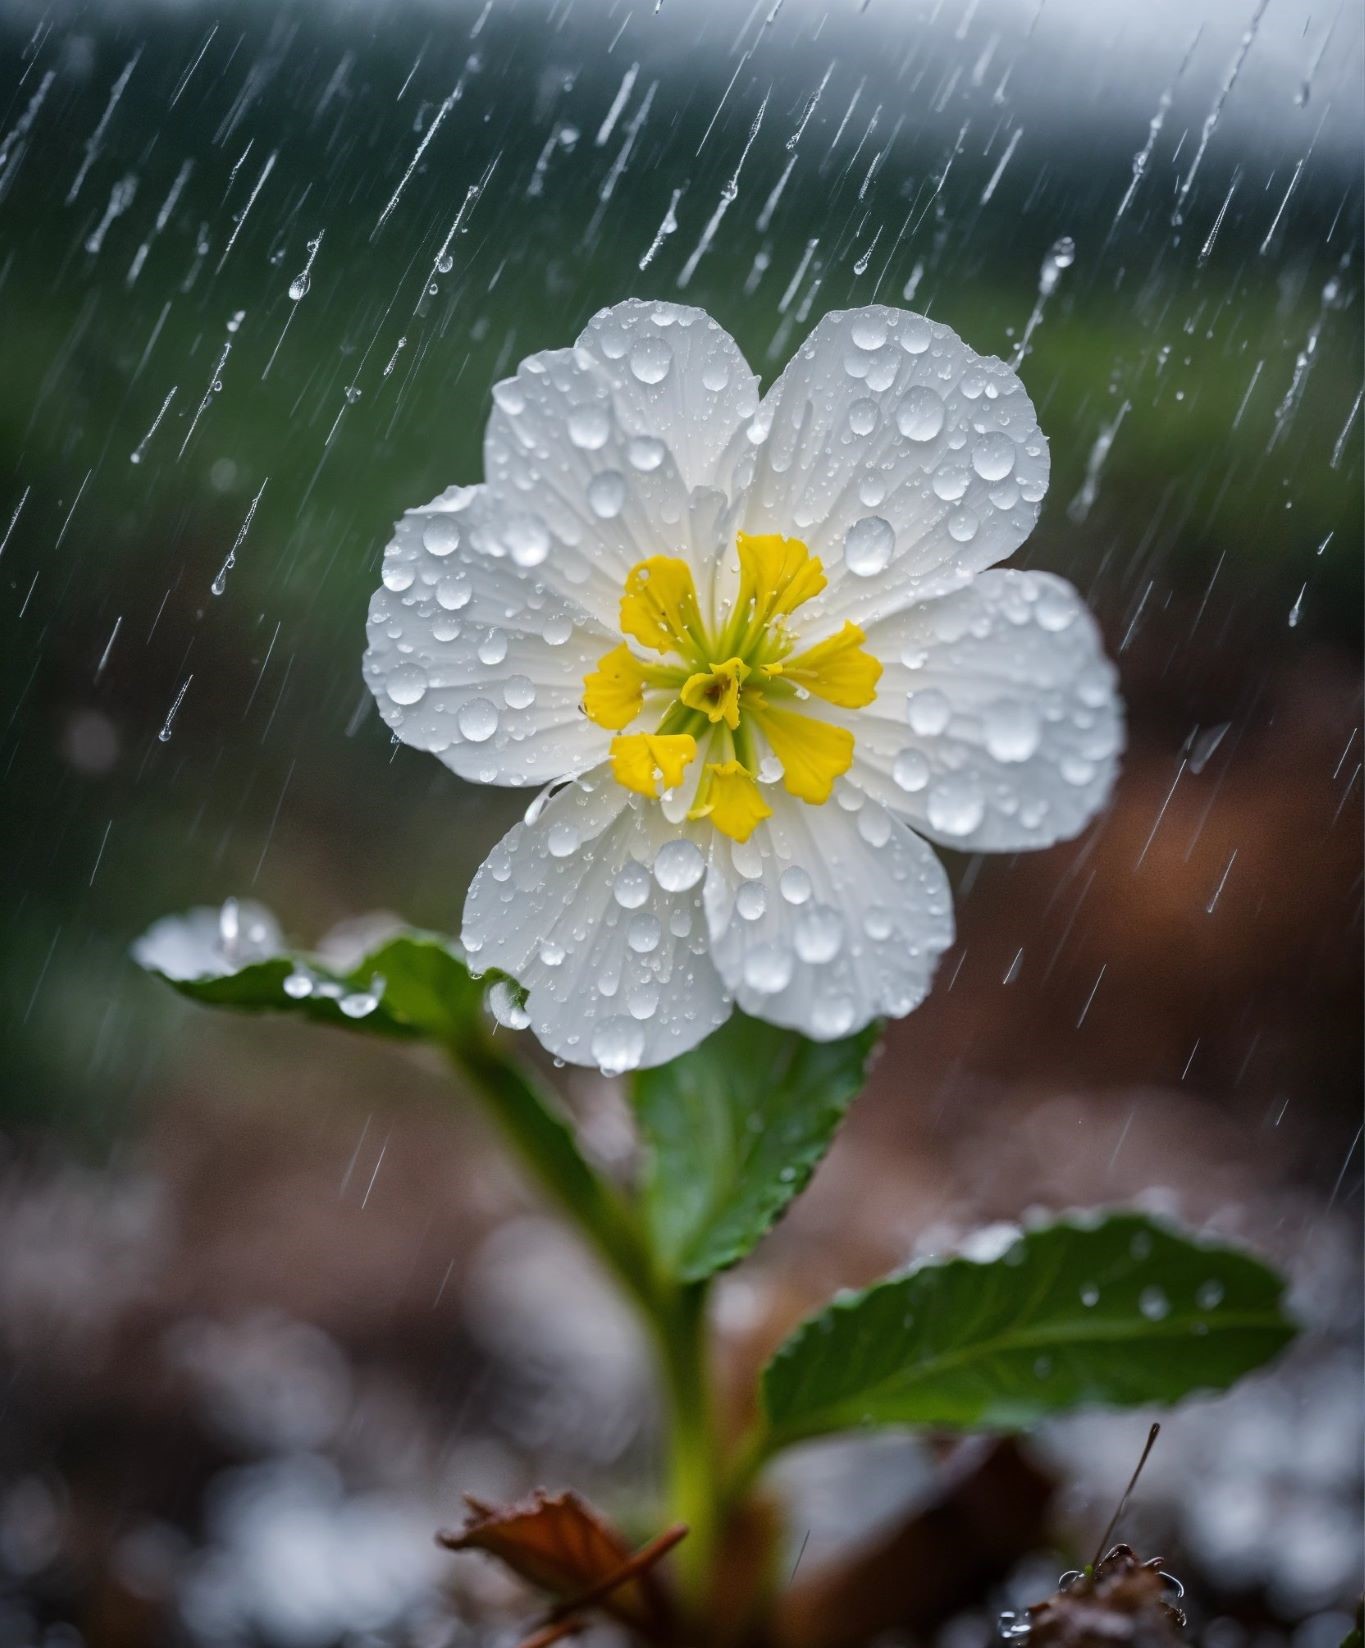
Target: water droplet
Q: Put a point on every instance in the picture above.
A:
(795, 885)
(678, 865)
(618, 1045)
(1011, 730)
(493, 648)
(868, 545)
(440, 535)
(359, 1004)
(645, 453)
(518, 692)
(607, 494)
(910, 771)
(562, 840)
(454, 593)
(1153, 1303)
(819, 934)
(632, 886)
(477, 720)
(589, 427)
(298, 287)
(949, 484)
(920, 415)
(929, 712)
(751, 901)
(644, 933)
(993, 456)
(527, 541)
(1209, 1295)
(650, 359)
(868, 332)
(506, 1002)
(955, 805)
(406, 684)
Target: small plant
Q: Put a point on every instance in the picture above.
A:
(724, 888)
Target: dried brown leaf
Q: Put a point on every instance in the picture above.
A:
(559, 1543)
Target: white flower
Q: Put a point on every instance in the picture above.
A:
(758, 639)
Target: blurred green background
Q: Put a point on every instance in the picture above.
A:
(1186, 978)
(279, 780)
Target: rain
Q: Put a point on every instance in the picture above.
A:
(271, 1301)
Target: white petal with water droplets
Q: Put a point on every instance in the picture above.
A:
(906, 461)
(472, 658)
(576, 491)
(615, 965)
(676, 376)
(210, 941)
(826, 918)
(997, 723)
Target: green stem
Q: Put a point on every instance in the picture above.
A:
(694, 1489)
(676, 1316)
(532, 1124)
(752, 1454)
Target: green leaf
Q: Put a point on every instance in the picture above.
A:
(1120, 1311)
(427, 991)
(735, 1129)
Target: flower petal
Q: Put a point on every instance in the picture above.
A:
(826, 919)
(676, 376)
(615, 964)
(472, 658)
(997, 723)
(902, 457)
(575, 494)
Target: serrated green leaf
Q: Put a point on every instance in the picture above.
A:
(1121, 1312)
(427, 991)
(735, 1129)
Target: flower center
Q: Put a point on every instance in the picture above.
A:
(728, 693)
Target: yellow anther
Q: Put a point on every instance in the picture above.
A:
(641, 759)
(614, 692)
(715, 692)
(777, 574)
(659, 607)
(813, 753)
(836, 669)
(729, 796)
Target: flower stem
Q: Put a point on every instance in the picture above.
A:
(674, 1314)
(530, 1121)
(692, 1460)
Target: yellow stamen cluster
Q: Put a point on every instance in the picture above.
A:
(730, 689)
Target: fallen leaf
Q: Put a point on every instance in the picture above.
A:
(559, 1543)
